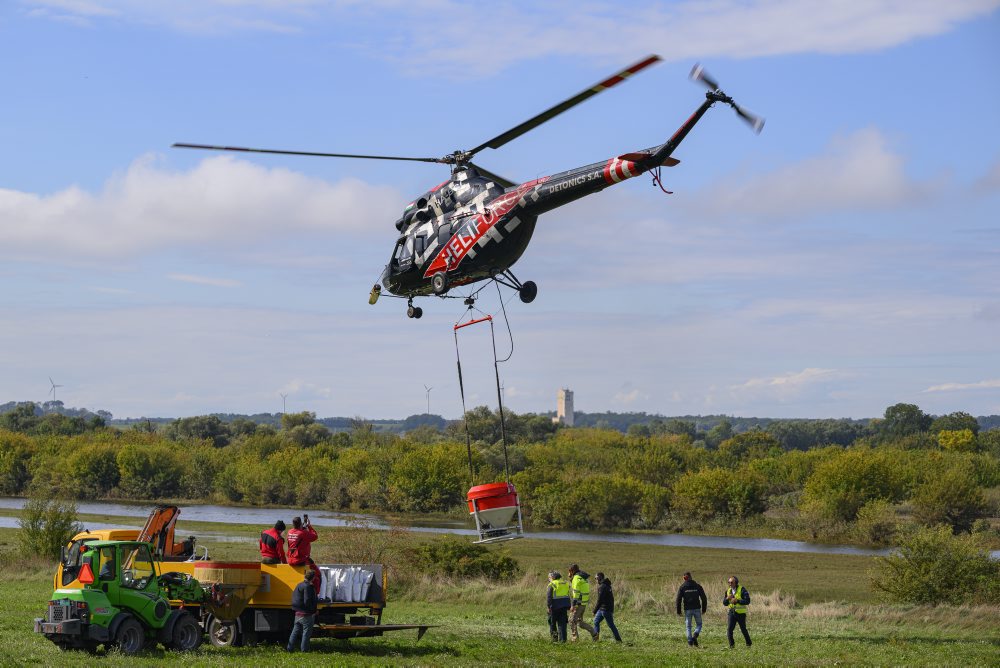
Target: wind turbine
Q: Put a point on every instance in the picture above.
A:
(283, 397)
(428, 398)
(53, 390)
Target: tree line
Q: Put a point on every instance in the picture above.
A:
(906, 468)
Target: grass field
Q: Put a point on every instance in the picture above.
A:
(807, 609)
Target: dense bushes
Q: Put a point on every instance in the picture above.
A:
(574, 478)
(842, 485)
(932, 566)
(455, 557)
(46, 526)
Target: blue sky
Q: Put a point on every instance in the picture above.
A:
(846, 259)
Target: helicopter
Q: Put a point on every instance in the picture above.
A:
(477, 224)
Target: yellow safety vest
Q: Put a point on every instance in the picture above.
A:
(581, 589)
(738, 607)
(560, 590)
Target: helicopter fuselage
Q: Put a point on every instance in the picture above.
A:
(488, 227)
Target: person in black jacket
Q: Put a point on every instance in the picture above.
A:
(304, 605)
(692, 600)
(604, 607)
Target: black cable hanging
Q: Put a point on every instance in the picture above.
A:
(496, 370)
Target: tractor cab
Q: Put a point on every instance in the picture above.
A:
(121, 602)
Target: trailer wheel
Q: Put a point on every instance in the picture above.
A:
(130, 637)
(223, 634)
(186, 634)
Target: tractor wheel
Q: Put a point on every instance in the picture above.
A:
(186, 635)
(528, 292)
(223, 634)
(439, 283)
(130, 638)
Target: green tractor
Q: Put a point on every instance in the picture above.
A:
(124, 604)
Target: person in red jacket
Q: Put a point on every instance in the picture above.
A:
(272, 545)
(300, 540)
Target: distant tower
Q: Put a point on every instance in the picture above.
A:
(564, 407)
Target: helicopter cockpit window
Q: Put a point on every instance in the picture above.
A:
(402, 257)
(419, 244)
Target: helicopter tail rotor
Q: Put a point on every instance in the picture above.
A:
(699, 74)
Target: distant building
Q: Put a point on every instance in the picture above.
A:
(564, 407)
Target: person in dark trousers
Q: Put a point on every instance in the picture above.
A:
(272, 545)
(300, 539)
(557, 599)
(692, 603)
(604, 607)
(304, 605)
(737, 599)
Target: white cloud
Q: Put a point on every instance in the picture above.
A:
(856, 172)
(149, 207)
(472, 39)
(788, 386)
(960, 387)
(205, 280)
(302, 390)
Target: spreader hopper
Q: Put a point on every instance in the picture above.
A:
(233, 584)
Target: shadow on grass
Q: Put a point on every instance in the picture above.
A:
(900, 640)
(360, 648)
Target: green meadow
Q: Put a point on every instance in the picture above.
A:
(806, 609)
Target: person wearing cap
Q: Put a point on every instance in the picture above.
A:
(272, 545)
(580, 594)
(737, 599)
(692, 601)
(558, 601)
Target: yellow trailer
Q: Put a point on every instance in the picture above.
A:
(266, 592)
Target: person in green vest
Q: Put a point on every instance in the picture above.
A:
(558, 601)
(580, 593)
(737, 599)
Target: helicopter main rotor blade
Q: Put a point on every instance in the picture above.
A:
(309, 153)
(548, 114)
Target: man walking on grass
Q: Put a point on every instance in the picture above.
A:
(737, 599)
(557, 601)
(580, 593)
(691, 599)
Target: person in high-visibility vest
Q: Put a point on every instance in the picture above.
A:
(557, 600)
(737, 599)
(580, 593)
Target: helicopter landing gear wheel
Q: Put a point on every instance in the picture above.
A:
(439, 283)
(414, 312)
(528, 291)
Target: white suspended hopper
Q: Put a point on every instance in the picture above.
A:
(497, 512)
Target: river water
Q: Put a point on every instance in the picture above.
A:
(266, 517)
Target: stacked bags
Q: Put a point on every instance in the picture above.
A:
(348, 584)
